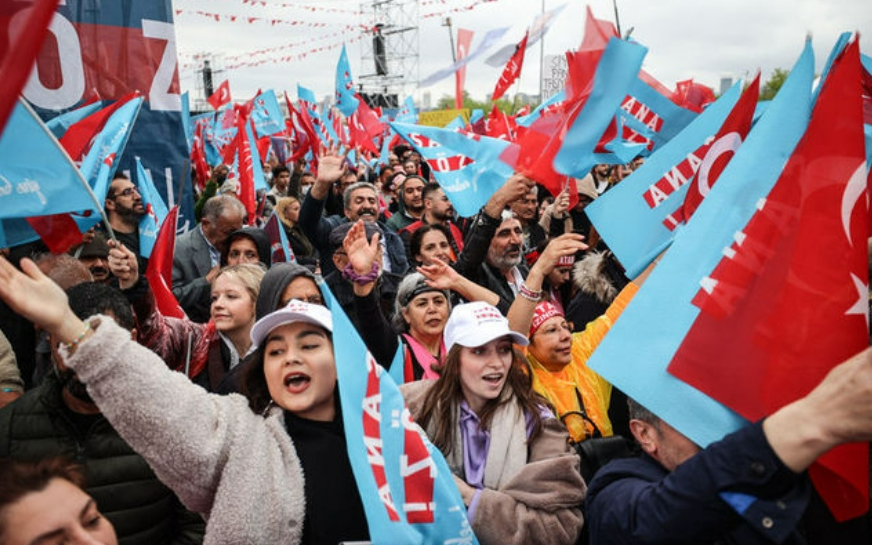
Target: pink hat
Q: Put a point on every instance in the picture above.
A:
(544, 311)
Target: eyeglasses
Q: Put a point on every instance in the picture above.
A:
(125, 193)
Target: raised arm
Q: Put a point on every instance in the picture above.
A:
(181, 430)
(521, 312)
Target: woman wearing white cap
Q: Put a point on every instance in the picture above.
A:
(508, 454)
(239, 462)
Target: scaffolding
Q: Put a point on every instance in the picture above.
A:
(208, 76)
(389, 51)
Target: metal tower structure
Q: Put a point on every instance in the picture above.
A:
(209, 67)
(389, 50)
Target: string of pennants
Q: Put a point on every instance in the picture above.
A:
(281, 54)
(259, 57)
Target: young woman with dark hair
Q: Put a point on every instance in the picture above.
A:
(508, 454)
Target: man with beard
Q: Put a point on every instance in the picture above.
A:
(492, 251)
(410, 195)
(360, 201)
(437, 209)
(59, 419)
(124, 209)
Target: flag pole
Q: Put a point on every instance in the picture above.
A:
(78, 172)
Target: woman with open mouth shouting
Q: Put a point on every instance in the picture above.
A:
(272, 468)
(508, 454)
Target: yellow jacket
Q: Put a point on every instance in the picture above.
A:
(575, 384)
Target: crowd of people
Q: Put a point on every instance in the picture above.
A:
(120, 424)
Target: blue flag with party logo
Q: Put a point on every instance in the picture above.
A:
(345, 99)
(407, 489)
(266, 114)
(37, 178)
(629, 218)
(615, 73)
(639, 347)
(467, 166)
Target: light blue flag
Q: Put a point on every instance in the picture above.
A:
(99, 165)
(652, 115)
(37, 178)
(455, 124)
(155, 210)
(398, 364)
(615, 73)
(306, 94)
(407, 489)
(639, 347)
(468, 167)
(266, 114)
(58, 125)
(476, 115)
(629, 219)
(408, 113)
(346, 102)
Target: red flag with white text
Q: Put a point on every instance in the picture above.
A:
(512, 70)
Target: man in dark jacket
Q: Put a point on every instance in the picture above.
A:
(748, 488)
(59, 418)
(492, 250)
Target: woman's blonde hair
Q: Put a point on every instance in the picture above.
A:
(281, 205)
(247, 274)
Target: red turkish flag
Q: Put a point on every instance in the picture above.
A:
(160, 267)
(464, 40)
(77, 139)
(221, 96)
(717, 153)
(791, 294)
(512, 70)
(18, 53)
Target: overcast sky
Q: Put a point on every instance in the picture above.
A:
(686, 39)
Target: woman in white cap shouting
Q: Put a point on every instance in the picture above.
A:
(272, 468)
(508, 454)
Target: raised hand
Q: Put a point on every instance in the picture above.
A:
(361, 254)
(36, 297)
(331, 165)
(123, 264)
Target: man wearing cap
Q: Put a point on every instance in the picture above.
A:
(95, 256)
(437, 209)
(360, 202)
(343, 276)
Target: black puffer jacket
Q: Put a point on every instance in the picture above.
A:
(142, 509)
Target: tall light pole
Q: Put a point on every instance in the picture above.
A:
(447, 22)
(617, 19)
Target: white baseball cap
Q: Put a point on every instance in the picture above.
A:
(295, 311)
(476, 324)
